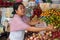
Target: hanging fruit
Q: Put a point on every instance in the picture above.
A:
(36, 11)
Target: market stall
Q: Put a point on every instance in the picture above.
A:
(45, 13)
(49, 15)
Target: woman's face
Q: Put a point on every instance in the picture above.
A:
(21, 10)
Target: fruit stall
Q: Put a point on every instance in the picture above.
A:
(46, 16)
(50, 16)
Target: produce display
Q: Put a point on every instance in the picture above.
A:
(36, 11)
(50, 16)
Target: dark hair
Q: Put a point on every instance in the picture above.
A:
(15, 6)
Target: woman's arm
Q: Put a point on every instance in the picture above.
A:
(34, 29)
(33, 23)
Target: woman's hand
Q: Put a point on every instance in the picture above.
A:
(50, 27)
(33, 23)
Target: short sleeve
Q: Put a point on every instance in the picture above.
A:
(22, 25)
(18, 25)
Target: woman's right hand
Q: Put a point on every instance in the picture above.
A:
(50, 27)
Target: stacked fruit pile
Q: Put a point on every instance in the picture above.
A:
(52, 16)
(48, 36)
(34, 37)
(36, 11)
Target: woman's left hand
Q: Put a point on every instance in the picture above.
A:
(33, 22)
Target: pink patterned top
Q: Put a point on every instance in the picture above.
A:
(17, 24)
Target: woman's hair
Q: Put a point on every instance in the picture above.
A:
(15, 6)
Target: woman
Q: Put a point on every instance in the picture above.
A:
(18, 27)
